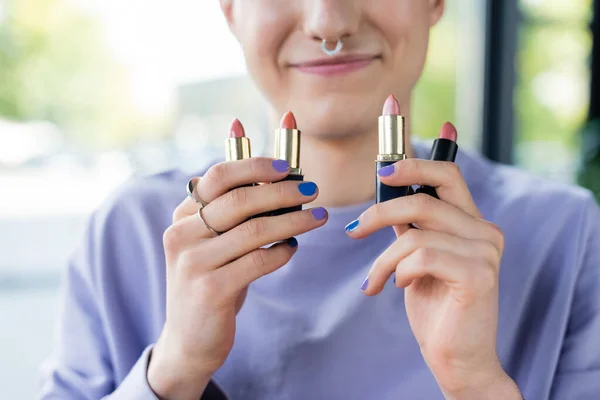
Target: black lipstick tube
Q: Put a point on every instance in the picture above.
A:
(391, 150)
(287, 147)
(442, 150)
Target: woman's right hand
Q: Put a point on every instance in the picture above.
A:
(208, 275)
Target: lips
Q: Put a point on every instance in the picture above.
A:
(335, 65)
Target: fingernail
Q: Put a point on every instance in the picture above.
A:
(394, 279)
(365, 284)
(280, 166)
(351, 227)
(308, 188)
(387, 171)
(319, 213)
(292, 242)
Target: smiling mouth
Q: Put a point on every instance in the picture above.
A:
(335, 65)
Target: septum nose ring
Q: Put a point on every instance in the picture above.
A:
(338, 48)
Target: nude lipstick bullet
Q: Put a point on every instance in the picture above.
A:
(237, 146)
(287, 147)
(444, 149)
(392, 148)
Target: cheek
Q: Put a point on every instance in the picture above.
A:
(261, 35)
(406, 35)
(400, 22)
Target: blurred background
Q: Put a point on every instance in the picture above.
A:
(93, 92)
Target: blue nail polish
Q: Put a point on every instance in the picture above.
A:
(365, 284)
(394, 279)
(351, 227)
(387, 171)
(308, 188)
(292, 242)
(280, 166)
(319, 213)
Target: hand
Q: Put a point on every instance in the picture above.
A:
(208, 275)
(449, 268)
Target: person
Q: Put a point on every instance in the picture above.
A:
(496, 295)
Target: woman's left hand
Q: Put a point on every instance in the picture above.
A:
(449, 268)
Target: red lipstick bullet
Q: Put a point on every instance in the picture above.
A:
(237, 129)
(391, 148)
(444, 149)
(288, 121)
(287, 147)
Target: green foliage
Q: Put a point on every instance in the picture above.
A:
(434, 96)
(551, 96)
(589, 173)
(53, 67)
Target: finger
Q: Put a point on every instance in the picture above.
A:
(236, 206)
(225, 176)
(237, 275)
(222, 177)
(445, 177)
(415, 239)
(473, 277)
(190, 203)
(254, 234)
(428, 213)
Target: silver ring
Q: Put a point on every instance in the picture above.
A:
(338, 48)
(210, 228)
(191, 192)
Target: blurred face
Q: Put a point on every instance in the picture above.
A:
(385, 45)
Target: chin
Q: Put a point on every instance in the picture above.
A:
(337, 125)
(338, 116)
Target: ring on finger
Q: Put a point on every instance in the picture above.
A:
(210, 228)
(191, 192)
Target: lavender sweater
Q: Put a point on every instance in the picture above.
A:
(307, 331)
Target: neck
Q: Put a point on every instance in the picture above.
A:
(344, 169)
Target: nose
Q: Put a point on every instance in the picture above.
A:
(331, 19)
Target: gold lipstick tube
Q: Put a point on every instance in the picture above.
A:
(391, 138)
(392, 148)
(237, 149)
(287, 147)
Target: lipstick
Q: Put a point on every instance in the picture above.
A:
(444, 149)
(237, 146)
(392, 148)
(287, 147)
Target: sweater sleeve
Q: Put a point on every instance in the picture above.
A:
(578, 373)
(80, 367)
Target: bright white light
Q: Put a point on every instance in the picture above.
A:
(563, 93)
(22, 142)
(533, 3)
(166, 43)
